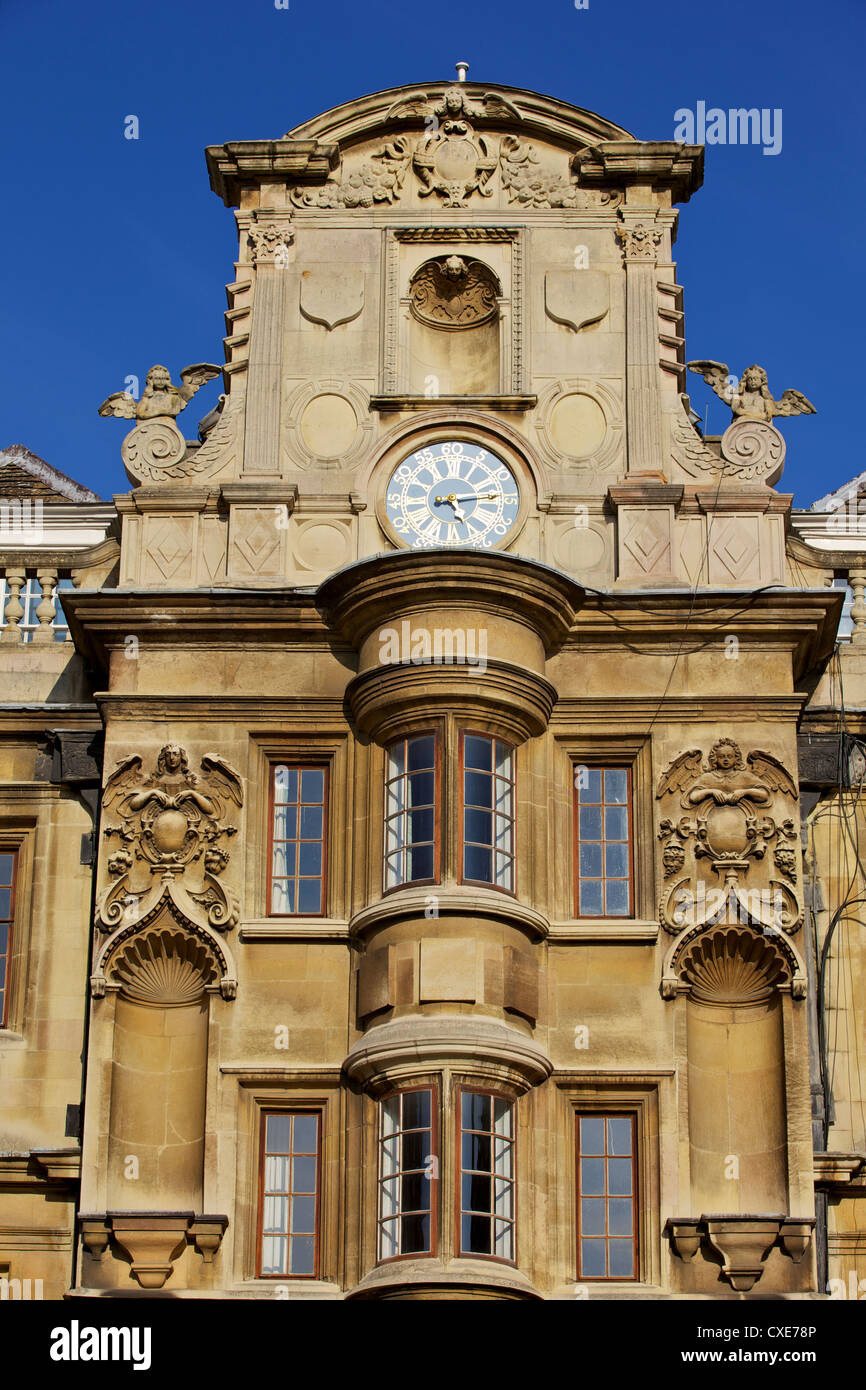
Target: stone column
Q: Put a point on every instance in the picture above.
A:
(16, 579)
(640, 238)
(857, 580)
(44, 634)
(269, 252)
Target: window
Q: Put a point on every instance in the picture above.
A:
(603, 841)
(488, 811)
(606, 1208)
(290, 1194)
(411, 841)
(486, 1175)
(408, 1170)
(8, 864)
(30, 596)
(298, 840)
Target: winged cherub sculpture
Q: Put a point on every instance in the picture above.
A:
(160, 396)
(752, 399)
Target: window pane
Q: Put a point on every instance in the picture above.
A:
(590, 823)
(619, 1175)
(420, 825)
(396, 758)
(592, 1216)
(312, 784)
(278, 1133)
(421, 752)
(622, 1259)
(285, 784)
(476, 1151)
(591, 791)
(303, 1255)
(310, 861)
(592, 1259)
(311, 822)
(592, 1135)
(591, 898)
(592, 1176)
(304, 1175)
(421, 863)
(619, 1130)
(616, 823)
(616, 785)
(477, 864)
(479, 790)
(6, 862)
(305, 1135)
(282, 897)
(309, 895)
(477, 752)
(420, 789)
(478, 1230)
(620, 1216)
(415, 1234)
(590, 860)
(616, 895)
(616, 860)
(303, 1215)
(416, 1110)
(476, 1110)
(478, 826)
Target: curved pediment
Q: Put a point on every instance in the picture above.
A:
(487, 105)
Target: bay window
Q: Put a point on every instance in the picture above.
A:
(411, 812)
(486, 1175)
(408, 1174)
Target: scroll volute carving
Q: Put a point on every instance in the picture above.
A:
(736, 817)
(171, 833)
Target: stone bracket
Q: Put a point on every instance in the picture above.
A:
(743, 1240)
(152, 1240)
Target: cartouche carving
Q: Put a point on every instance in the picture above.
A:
(454, 293)
(169, 824)
(727, 805)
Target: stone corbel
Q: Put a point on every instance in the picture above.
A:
(742, 1240)
(206, 1233)
(153, 1242)
(95, 1233)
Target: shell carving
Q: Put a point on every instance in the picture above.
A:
(731, 966)
(164, 968)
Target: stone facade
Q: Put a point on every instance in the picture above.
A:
(581, 1051)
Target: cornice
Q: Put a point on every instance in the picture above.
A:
(389, 700)
(484, 1047)
(659, 163)
(641, 709)
(452, 901)
(368, 593)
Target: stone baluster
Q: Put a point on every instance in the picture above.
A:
(857, 580)
(45, 608)
(12, 633)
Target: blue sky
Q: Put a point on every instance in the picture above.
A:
(117, 251)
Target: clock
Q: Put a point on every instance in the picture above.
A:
(452, 494)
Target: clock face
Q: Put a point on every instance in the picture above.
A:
(452, 494)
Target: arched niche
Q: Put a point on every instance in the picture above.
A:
(159, 1065)
(736, 1069)
(454, 328)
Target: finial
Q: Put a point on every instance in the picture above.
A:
(462, 69)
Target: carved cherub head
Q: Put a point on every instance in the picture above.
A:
(158, 379)
(172, 759)
(454, 267)
(725, 756)
(754, 378)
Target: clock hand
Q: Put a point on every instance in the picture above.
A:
(472, 497)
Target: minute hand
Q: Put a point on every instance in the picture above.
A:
(469, 497)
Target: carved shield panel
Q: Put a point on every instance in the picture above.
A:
(576, 298)
(330, 297)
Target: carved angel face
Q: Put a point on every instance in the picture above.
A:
(754, 378)
(158, 379)
(724, 756)
(171, 757)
